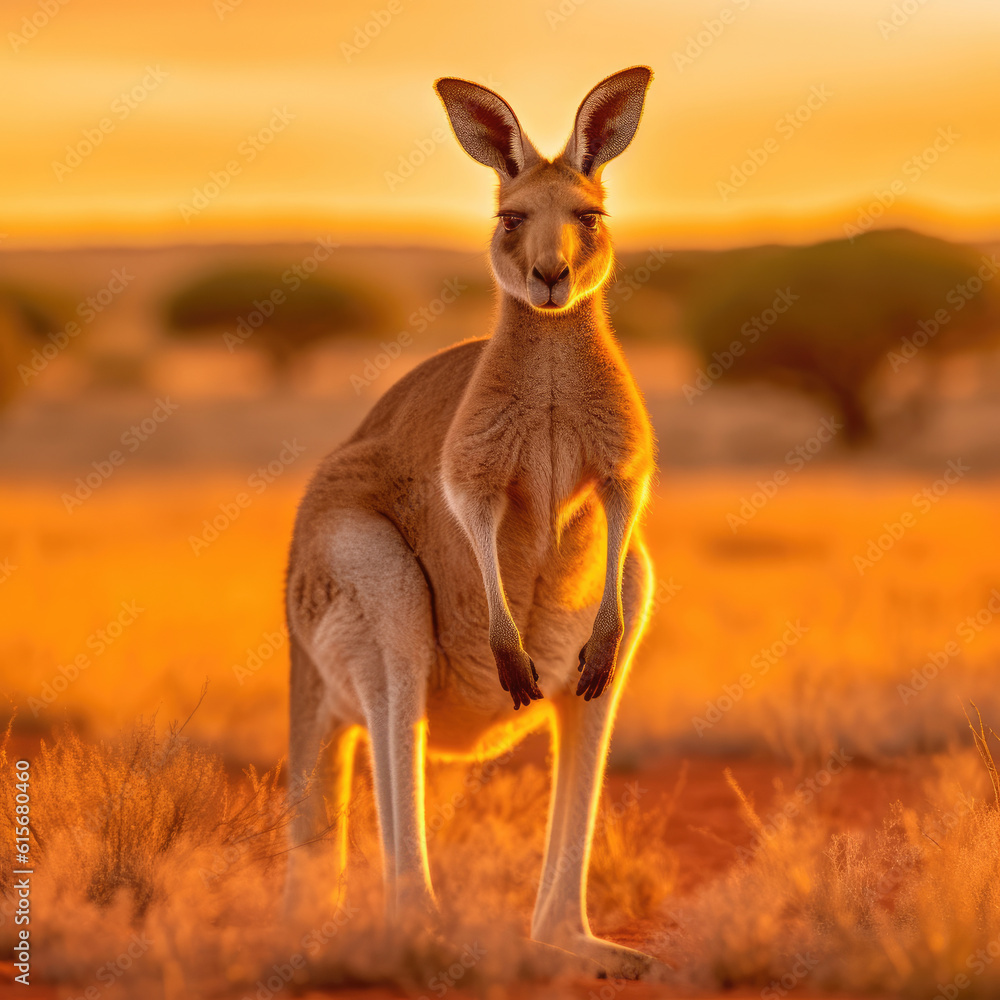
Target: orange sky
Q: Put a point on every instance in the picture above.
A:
(221, 67)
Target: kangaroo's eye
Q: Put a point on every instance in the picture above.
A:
(511, 222)
(590, 220)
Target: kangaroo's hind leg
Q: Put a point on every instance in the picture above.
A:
(375, 644)
(582, 734)
(320, 766)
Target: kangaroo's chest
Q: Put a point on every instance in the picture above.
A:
(551, 540)
(551, 475)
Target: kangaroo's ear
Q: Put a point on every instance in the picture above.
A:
(607, 120)
(486, 127)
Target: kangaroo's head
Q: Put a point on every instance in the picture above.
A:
(550, 247)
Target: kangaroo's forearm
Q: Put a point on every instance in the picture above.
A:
(515, 669)
(621, 512)
(598, 658)
(481, 528)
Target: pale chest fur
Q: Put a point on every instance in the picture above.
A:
(540, 427)
(538, 430)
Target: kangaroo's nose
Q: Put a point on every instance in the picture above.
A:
(552, 275)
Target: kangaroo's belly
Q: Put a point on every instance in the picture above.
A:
(553, 587)
(457, 731)
(468, 712)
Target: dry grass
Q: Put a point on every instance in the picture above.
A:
(146, 832)
(911, 905)
(146, 838)
(124, 828)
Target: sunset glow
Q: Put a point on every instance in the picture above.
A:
(194, 120)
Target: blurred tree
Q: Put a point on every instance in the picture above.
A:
(278, 311)
(14, 344)
(827, 318)
(24, 321)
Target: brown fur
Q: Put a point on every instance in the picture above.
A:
(482, 521)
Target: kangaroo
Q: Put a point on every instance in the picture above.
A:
(475, 547)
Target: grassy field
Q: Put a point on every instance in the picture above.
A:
(794, 801)
(134, 601)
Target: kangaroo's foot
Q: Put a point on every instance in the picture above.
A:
(412, 905)
(617, 961)
(551, 960)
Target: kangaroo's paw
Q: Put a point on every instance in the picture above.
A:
(597, 667)
(517, 675)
